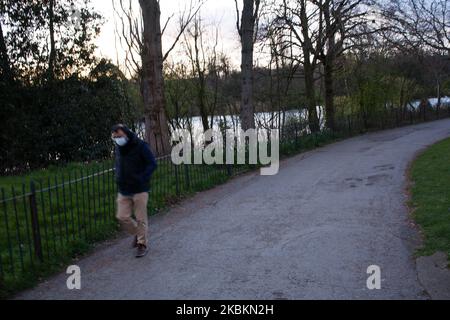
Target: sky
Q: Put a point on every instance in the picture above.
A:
(221, 13)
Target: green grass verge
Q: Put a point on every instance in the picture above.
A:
(430, 197)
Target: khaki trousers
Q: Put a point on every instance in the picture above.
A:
(125, 207)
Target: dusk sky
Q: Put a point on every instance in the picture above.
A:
(213, 12)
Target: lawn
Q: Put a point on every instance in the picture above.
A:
(430, 197)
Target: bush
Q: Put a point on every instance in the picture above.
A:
(68, 120)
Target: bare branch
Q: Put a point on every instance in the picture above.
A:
(184, 23)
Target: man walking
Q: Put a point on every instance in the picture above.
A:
(134, 166)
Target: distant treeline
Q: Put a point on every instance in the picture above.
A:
(58, 100)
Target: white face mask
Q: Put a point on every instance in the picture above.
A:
(121, 141)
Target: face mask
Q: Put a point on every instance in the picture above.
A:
(121, 141)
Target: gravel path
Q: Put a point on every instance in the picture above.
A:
(309, 232)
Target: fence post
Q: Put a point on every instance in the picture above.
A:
(177, 180)
(35, 223)
(186, 176)
(350, 131)
(229, 170)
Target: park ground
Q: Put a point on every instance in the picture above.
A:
(309, 232)
(430, 206)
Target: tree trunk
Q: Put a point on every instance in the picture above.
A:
(329, 94)
(328, 61)
(439, 94)
(52, 58)
(313, 119)
(309, 69)
(6, 72)
(247, 35)
(201, 80)
(202, 102)
(152, 81)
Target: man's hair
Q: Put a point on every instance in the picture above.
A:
(118, 127)
(130, 134)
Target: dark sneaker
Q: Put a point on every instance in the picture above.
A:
(135, 242)
(141, 251)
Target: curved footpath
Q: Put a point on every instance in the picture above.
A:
(309, 232)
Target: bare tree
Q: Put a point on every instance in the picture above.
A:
(141, 36)
(194, 46)
(281, 71)
(421, 27)
(152, 82)
(246, 30)
(52, 57)
(295, 25)
(341, 21)
(418, 23)
(318, 33)
(208, 65)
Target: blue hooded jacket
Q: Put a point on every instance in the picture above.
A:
(134, 165)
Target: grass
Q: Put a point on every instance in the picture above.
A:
(430, 197)
(67, 172)
(70, 220)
